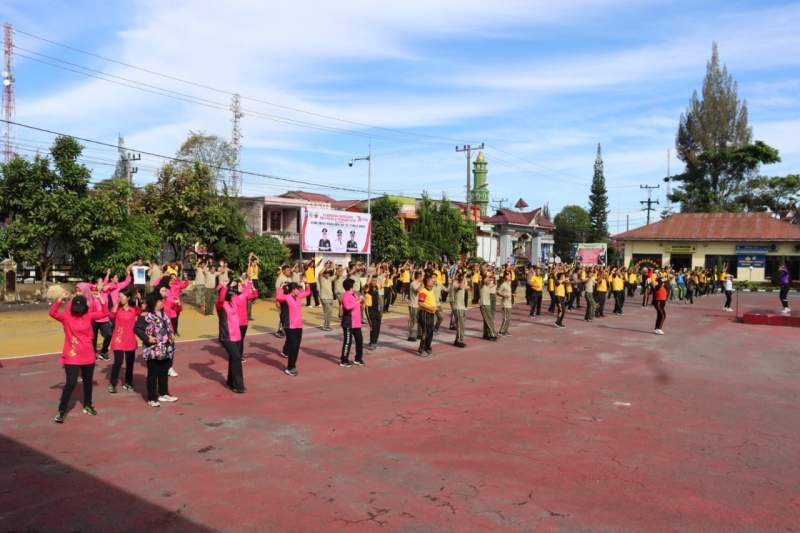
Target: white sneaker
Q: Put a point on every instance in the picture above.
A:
(167, 398)
(659, 332)
(172, 373)
(786, 311)
(154, 404)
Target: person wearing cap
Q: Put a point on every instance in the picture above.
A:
(77, 353)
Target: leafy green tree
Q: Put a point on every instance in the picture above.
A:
(440, 230)
(573, 226)
(598, 203)
(112, 232)
(210, 150)
(779, 194)
(271, 253)
(714, 140)
(187, 210)
(44, 206)
(389, 241)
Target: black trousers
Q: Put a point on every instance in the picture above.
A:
(536, 303)
(72, 372)
(157, 378)
(374, 326)
(350, 335)
(661, 312)
(784, 296)
(728, 295)
(235, 374)
(601, 303)
(426, 321)
(128, 357)
(106, 330)
(294, 337)
(528, 295)
(174, 322)
(552, 307)
(631, 290)
(314, 292)
(243, 333)
(561, 309)
(619, 300)
(387, 298)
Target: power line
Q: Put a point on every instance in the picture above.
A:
(180, 160)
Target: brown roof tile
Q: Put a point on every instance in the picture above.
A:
(742, 227)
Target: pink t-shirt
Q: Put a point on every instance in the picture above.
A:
(351, 306)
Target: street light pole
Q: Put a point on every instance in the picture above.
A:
(368, 159)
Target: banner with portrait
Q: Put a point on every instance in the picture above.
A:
(591, 253)
(331, 231)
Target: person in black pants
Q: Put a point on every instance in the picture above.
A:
(374, 313)
(230, 335)
(155, 331)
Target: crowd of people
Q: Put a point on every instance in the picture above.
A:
(146, 305)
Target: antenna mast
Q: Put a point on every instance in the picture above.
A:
(236, 139)
(8, 88)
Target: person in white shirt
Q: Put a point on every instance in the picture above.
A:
(727, 286)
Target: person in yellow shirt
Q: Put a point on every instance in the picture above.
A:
(618, 287)
(560, 293)
(476, 284)
(311, 281)
(536, 283)
(551, 290)
(601, 291)
(405, 280)
(632, 282)
(428, 305)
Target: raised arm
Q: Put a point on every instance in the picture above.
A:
(54, 310)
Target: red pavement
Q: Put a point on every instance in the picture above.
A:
(602, 427)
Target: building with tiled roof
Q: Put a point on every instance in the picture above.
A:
(752, 244)
(511, 235)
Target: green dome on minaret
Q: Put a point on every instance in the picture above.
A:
(480, 187)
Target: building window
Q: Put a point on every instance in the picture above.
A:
(275, 221)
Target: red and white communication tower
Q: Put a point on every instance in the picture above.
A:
(8, 88)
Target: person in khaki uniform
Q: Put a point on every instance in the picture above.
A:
(458, 305)
(325, 282)
(200, 285)
(413, 308)
(505, 294)
(210, 288)
(486, 308)
(438, 287)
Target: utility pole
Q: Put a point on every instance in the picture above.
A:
(468, 148)
(627, 222)
(498, 204)
(130, 157)
(8, 88)
(368, 159)
(649, 202)
(236, 140)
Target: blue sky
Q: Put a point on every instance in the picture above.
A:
(540, 83)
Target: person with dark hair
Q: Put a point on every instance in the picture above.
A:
(727, 285)
(413, 308)
(428, 304)
(324, 244)
(659, 292)
(351, 325)
(310, 273)
(560, 292)
(247, 293)
(230, 336)
(291, 295)
(77, 353)
(485, 306)
(326, 295)
(154, 329)
(784, 280)
(458, 305)
(123, 340)
(372, 301)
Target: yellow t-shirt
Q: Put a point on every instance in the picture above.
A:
(551, 284)
(405, 276)
(602, 285)
(476, 277)
(513, 275)
(441, 278)
(388, 282)
(536, 283)
(311, 275)
(427, 300)
(617, 284)
(368, 300)
(560, 291)
(569, 287)
(632, 278)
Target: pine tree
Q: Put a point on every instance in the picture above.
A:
(598, 202)
(714, 140)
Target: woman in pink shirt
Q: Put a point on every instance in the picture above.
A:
(114, 286)
(351, 325)
(229, 333)
(77, 353)
(292, 294)
(247, 293)
(123, 341)
(96, 296)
